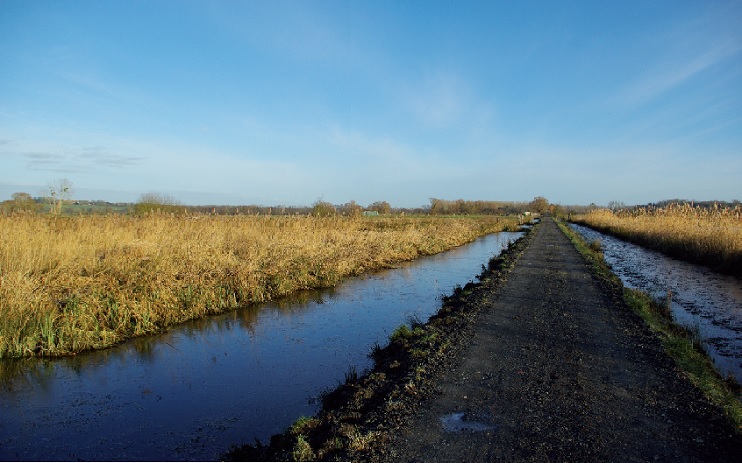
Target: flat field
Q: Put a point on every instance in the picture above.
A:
(708, 236)
(68, 284)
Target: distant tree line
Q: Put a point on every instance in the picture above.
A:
(59, 199)
(159, 203)
(463, 207)
(21, 202)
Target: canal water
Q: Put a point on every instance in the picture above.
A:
(708, 303)
(191, 393)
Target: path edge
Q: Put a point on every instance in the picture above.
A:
(680, 344)
(359, 417)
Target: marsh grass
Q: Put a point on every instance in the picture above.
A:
(681, 344)
(708, 236)
(68, 284)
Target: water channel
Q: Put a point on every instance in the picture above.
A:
(193, 392)
(708, 303)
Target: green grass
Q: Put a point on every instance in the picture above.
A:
(679, 343)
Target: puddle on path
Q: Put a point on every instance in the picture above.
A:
(465, 422)
(708, 303)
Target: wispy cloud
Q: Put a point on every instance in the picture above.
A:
(667, 75)
(51, 162)
(77, 161)
(685, 50)
(99, 156)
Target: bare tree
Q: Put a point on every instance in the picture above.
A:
(59, 191)
(616, 205)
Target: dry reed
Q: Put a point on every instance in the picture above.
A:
(708, 236)
(69, 284)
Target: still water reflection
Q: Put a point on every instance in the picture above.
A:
(704, 301)
(193, 392)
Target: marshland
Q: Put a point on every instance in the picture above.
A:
(70, 284)
(202, 386)
(84, 282)
(709, 235)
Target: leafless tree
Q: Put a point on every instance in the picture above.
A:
(58, 191)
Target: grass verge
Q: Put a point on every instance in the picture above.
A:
(678, 342)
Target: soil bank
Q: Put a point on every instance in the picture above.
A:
(540, 363)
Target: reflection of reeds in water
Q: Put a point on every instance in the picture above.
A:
(76, 283)
(710, 236)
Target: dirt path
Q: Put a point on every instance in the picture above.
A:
(556, 371)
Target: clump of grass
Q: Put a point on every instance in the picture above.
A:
(709, 236)
(596, 246)
(351, 376)
(68, 284)
(302, 449)
(402, 333)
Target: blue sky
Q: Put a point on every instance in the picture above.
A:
(270, 102)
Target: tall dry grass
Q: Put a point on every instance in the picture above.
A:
(73, 283)
(709, 236)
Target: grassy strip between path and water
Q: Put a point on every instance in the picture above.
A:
(679, 343)
(69, 284)
(359, 416)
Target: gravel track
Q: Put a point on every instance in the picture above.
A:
(558, 369)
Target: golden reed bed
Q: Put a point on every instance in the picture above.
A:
(69, 284)
(709, 236)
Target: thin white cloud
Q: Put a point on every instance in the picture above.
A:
(51, 157)
(665, 76)
(685, 49)
(100, 156)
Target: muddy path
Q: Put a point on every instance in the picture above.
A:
(544, 364)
